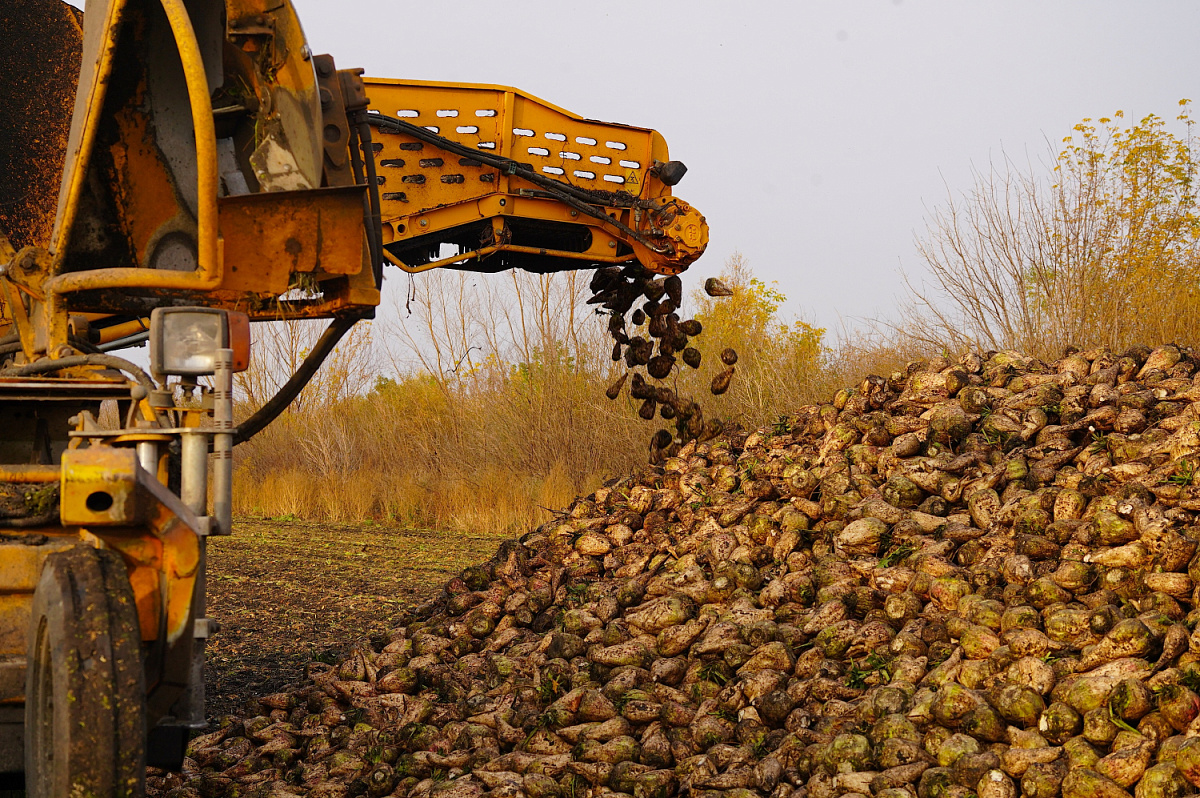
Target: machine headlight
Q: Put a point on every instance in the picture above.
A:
(184, 341)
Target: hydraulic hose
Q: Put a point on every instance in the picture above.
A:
(47, 365)
(132, 340)
(361, 151)
(291, 389)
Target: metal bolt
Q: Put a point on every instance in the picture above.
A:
(612, 244)
(503, 202)
(424, 222)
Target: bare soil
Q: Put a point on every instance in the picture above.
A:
(287, 593)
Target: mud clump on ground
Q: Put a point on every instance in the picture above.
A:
(973, 578)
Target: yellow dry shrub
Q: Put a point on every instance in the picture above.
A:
(1101, 249)
(511, 434)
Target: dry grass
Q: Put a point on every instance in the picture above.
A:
(498, 416)
(495, 413)
(495, 459)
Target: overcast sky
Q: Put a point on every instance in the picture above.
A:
(817, 134)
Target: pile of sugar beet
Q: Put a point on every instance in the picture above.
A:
(971, 579)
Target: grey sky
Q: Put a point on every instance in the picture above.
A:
(816, 133)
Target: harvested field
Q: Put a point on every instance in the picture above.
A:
(290, 592)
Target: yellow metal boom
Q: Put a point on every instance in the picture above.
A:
(513, 181)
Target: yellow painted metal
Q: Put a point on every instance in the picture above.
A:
(99, 487)
(208, 273)
(271, 238)
(19, 316)
(20, 569)
(427, 191)
(266, 66)
(107, 493)
(156, 535)
(28, 473)
(206, 138)
(21, 565)
(252, 249)
(506, 121)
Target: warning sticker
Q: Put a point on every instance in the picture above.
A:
(632, 178)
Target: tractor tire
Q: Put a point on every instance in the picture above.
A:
(85, 726)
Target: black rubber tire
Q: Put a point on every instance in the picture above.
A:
(85, 726)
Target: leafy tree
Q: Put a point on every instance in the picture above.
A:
(779, 362)
(1100, 248)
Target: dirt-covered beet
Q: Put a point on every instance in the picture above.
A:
(973, 578)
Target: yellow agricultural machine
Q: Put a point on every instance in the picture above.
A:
(171, 171)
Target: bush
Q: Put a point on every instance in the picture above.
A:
(497, 416)
(1100, 250)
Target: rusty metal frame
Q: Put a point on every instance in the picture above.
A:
(160, 540)
(480, 254)
(209, 264)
